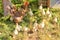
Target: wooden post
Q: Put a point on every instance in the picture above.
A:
(39, 2)
(45, 3)
(5, 4)
(48, 3)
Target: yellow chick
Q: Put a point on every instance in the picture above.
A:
(30, 12)
(11, 18)
(19, 28)
(55, 19)
(40, 7)
(43, 12)
(26, 29)
(0, 33)
(42, 24)
(35, 26)
(16, 32)
(48, 12)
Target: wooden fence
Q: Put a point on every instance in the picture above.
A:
(44, 2)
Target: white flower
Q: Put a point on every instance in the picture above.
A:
(55, 19)
(40, 7)
(30, 12)
(43, 12)
(16, 32)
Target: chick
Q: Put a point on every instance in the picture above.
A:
(16, 32)
(0, 33)
(48, 12)
(40, 7)
(30, 12)
(54, 22)
(19, 28)
(49, 15)
(11, 18)
(55, 19)
(35, 28)
(43, 12)
(26, 29)
(42, 24)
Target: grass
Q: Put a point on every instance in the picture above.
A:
(51, 31)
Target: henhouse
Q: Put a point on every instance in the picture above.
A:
(50, 3)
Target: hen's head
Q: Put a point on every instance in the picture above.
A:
(26, 3)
